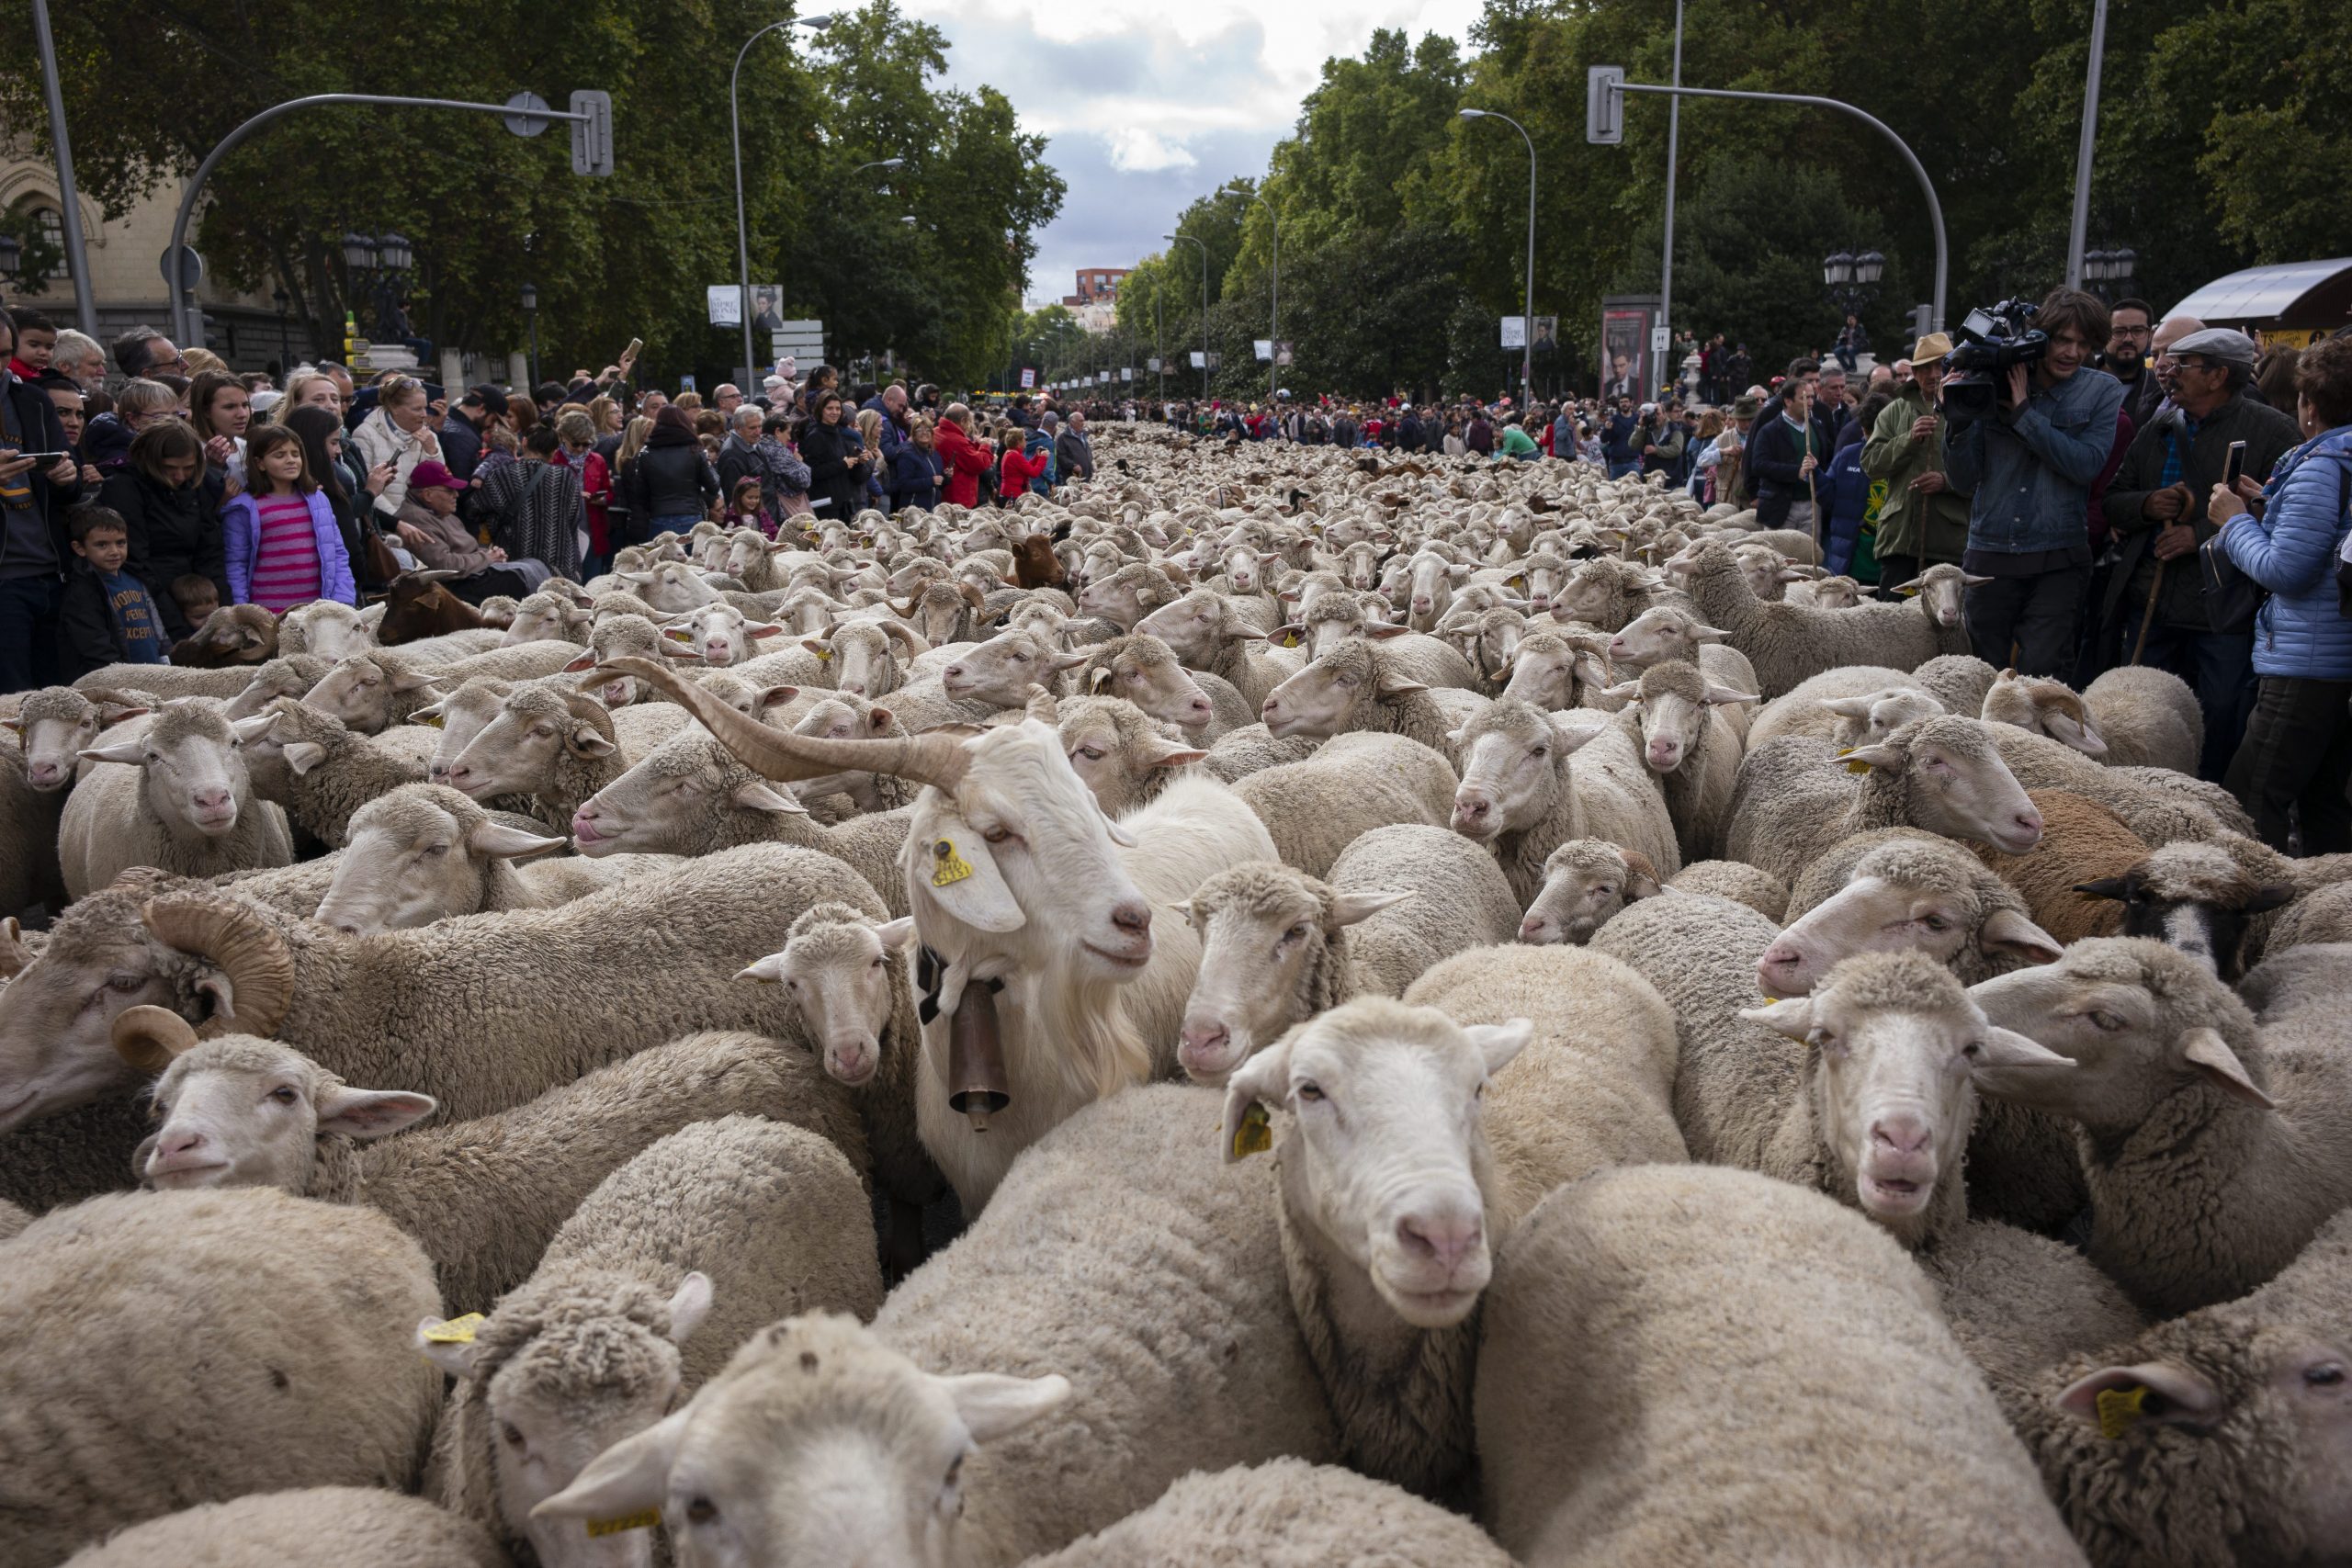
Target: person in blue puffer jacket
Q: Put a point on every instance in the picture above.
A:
(2287, 536)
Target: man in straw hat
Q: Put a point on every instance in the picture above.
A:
(1924, 518)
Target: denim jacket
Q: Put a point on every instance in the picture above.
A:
(2029, 469)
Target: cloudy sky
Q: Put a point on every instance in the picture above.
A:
(1150, 107)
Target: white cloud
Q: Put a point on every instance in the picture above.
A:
(1148, 109)
(1134, 150)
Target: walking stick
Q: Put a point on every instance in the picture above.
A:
(2148, 615)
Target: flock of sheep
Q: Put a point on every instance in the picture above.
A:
(1741, 1078)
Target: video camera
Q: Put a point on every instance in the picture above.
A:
(1991, 342)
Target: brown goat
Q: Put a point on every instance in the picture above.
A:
(233, 634)
(421, 607)
(1034, 565)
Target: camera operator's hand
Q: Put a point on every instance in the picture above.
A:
(2167, 504)
(2015, 389)
(2178, 539)
(1923, 427)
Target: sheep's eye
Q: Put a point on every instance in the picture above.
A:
(1606, 892)
(1091, 753)
(436, 849)
(1936, 923)
(1310, 1092)
(124, 983)
(2328, 1374)
(2105, 1021)
(997, 835)
(701, 1511)
(511, 1433)
(1540, 751)
(1972, 1050)
(283, 1094)
(877, 962)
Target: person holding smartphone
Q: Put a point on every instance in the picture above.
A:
(2155, 610)
(39, 481)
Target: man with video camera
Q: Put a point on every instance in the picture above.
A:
(2031, 427)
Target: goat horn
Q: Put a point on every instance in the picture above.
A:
(241, 945)
(788, 758)
(150, 1037)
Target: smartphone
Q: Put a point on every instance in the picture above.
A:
(2234, 465)
(8, 456)
(636, 346)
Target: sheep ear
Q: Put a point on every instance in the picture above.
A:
(2117, 887)
(1498, 1043)
(1730, 697)
(456, 1359)
(1624, 691)
(630, 1477)
(1791, 1016)
(689, 1304)
(1847, 707)
(303, 755)
(585, 661)
(2116, 1399)
(2007, 1049)
(589, 744)
(897, 932)
(254, 727)
(2209, 1054)
(132, 752)
(755, 796)
(1872, 757)
(1094, 682)
(498, 841)
(1257, 1085)
(1347, 908)
(2008, 931)
(1400, 686)
(2268, 897)
(372, 1112)
(992, 1404)
(409, 680)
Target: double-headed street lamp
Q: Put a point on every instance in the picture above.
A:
(2109, 272)
(1527, 323)
(387, 259)
(1274, 311)
(1852, 280)
(1205, 307)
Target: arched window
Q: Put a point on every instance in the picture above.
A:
(44, 227)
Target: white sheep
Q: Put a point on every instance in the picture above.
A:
(283, 1529)
(231, 1342)
(1688, 736)
(1279, 946)
(179, 799)
(674, 1261)
(983, 1420)
(1354, 782)
(1531, 783)
(1864, 1434)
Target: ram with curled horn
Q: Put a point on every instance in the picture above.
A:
(1020, 885)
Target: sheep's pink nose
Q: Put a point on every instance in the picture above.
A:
(184, 1142)
(1472, 803)
(1665, 753)
(954, 673)
(1420, 601)
(1532, 927)
(2029, 822)
(213, 800)
(44, 773)
(1906, 1133)
(1270, 707)
(1445, 1239)
(1134, 916)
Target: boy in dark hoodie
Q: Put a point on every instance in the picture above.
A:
(106, 616)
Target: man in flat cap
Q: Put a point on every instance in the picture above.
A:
(2155, 608)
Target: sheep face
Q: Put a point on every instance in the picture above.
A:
(1674, 718)
(1124, 596)
(195, 764)
(747, 553)
(279, 678)
(1260, 929)
(1112, 747)
(720, 635)
(542, 617)
(56, 1050)
(1959, 787)
(843, 986)
(1893, 1047)
(1660, 633)
(236, 634)
(1142, 671)
(1585, 882)
(55, 726)
(1871, 717)
(863, 656)
(329, 630)
(1245, 565)
(1360, 564)
(2140, 1022)
(244, 1113)
(1333, 695)
(861, 1455)
(1889, 906)
(1388, 1145)
(1546, 667)
(414, 856)
(516, 752)
(460, 717)
(360, 691)
(1002, 670)
(1196, 627)
(1430, 586)
(626, 635)
(673, 801)
(673, 587)
(1514, 768)
(838, 719)
(1942, 591)
(2192, 897)
(2045, 707)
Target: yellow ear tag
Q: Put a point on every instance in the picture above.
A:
(947, 864)
(1856, 768)
(1291, 641)
(455, 1331)
(644, 1520)
(676, 635)
(1908, 592)
(1255, 1135)
(824, 655)
(435, 721)
(2120, 1410)
(1516, 582)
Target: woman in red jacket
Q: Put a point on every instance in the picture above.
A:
(964, 461)
(1013, 479)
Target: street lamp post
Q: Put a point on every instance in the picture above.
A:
(285, 346)
(2109, 272)
(735, 132)
(1527, 323)
(378, 264)
(531, 320)
(1205, 307)
(1852, 280)
(1274, 311)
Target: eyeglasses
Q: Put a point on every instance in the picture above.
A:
(2135, 331)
